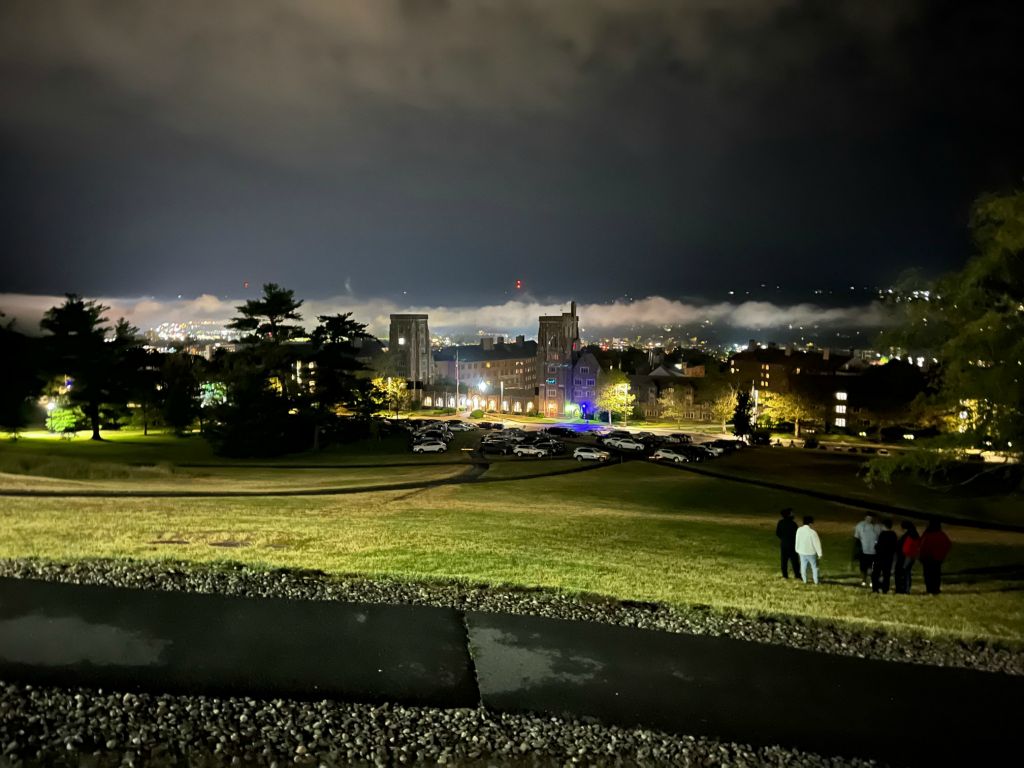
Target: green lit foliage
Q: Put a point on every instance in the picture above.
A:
(787, 407)
(62, 420)
(672, 404)
(390, 393)
(613, 395)
(723, 406)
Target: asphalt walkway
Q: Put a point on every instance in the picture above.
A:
(67, 635)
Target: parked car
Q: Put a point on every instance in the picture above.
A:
(551, 446)
(615, 434)
(711, 448)
(496, 446)
(460, 426)
(491, 425)
(586, 453)
(432, 434)
(529, 450)
(694, 453)
(681, 439)
(430, 446)
(670, 454)
(630, 445)
(559, 431)
(727, 446)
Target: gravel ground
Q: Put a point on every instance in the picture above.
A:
(305, 585)
(82, 727)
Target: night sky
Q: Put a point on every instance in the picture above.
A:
(591, 149)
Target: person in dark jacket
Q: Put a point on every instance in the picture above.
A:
(785, 531)
(935, 546)
(906, 555)
(885, 551)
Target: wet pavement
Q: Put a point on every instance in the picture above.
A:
(743, 691)
(180, 642)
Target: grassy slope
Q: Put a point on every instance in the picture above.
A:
(633, 531)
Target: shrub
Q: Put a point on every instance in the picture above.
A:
(477, 414)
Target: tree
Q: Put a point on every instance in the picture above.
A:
(724, 405)
(743, 415)
(778, 407)
(614, 396)
(972, 323)
(76, 349)
(336, 383)
(391, 392)
(264, 319)
(20, 380)
(180, 376)
(672, 404)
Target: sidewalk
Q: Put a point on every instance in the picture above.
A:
(65, 635)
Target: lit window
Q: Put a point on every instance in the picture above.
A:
(840, 396)
(401, 341)
(840, 422)
(840, 409)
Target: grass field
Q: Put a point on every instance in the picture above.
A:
(633, 531)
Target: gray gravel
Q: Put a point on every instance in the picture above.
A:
(85, 727)
(231, 579)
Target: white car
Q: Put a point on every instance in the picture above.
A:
(529, 450)
(628, 445)
(430, 446)
(460, 426)
(667, 454)
(586, 453)
(714, 450)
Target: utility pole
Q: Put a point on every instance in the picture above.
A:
(457, 390)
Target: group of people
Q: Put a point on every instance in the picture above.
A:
(878, 550)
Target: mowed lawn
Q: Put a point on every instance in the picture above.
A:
(632, 531)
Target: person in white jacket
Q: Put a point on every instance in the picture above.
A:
(808, 546)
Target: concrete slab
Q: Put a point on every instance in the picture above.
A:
(58, 634)
(749, 692)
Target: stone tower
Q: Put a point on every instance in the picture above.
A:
(558, 344)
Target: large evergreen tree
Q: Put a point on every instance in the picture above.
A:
(76, 348)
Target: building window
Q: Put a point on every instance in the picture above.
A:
(590, 382)
(401, 341)
(517, 407)
(840, 409)
(584, 369)
(840, 396)
(529, 407)
(427, 402)
(840, 422)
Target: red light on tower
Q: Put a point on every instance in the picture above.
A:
(519, 284)
(245, 284)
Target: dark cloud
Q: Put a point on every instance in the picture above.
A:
(447, 148)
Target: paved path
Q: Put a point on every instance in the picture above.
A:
(59, 634)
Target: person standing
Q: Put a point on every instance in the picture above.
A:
(785, 532)
(935, 546)
(866, 534)
(907, 549)
(808, 546)
(885, 550)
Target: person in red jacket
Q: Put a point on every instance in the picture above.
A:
(907, 550)
(935, 546)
